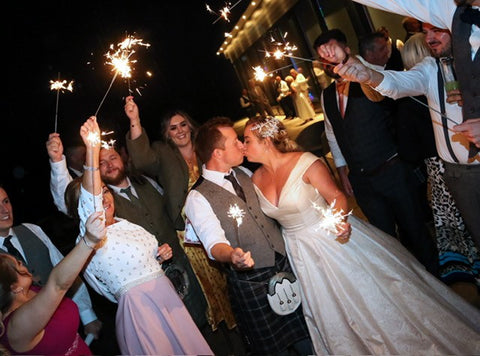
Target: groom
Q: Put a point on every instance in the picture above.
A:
(225, 214)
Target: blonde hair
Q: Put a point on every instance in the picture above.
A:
(415, 50)
(272, 128)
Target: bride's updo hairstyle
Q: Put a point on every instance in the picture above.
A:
(270, 127)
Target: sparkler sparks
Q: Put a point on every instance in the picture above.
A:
(259, 73)
(59, 85)
(94, 138)
(282, 47)
(224, 13)
(121, 60)
(331, 218)
(236, 213)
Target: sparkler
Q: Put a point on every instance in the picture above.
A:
(437, 111)
(121, 62)
(331, 217)
(224, 12)
(237, 214)
(60, 86)
(259, 73)
(94, 139)
(283, 48)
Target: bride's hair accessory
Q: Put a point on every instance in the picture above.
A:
(269, 127)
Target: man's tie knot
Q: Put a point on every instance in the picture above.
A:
(128, 192)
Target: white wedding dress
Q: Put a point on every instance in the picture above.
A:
(302, 103)
(370, 295)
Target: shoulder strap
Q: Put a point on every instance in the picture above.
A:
(441, 99)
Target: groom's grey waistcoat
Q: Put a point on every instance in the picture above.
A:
(257, 233)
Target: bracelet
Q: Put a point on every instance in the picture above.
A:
(87, 244)
(88, 168)
(347, 57)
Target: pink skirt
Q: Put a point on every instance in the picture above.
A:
(152, 320)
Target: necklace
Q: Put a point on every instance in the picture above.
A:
(190, 160)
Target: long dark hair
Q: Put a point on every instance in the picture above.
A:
(165, 124)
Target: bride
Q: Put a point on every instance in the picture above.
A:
(363, 292)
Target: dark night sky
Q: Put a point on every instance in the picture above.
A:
(71, 38)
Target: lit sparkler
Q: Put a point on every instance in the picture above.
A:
(59, 85)
(94, 139)
(121, 60)
(331, 217)
(236, 213)
(259, 73)
(224, 13)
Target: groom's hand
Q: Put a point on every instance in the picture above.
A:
(241, 259)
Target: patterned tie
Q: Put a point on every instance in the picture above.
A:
(236, 186)
(133, 198)
(7, 243)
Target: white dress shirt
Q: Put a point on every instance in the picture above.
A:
(422, 80)
(81, 297)
(59, 180)
(199, 212)
(337, 155)
(439, 13)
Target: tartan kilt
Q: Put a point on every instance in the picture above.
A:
(265, 331)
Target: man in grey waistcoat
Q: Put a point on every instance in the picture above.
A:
(139, 199)
(249, 244)
(29, 244)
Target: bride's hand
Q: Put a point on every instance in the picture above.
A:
(345, 229)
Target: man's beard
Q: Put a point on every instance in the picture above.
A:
(117, 179)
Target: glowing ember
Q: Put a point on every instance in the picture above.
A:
(61, 85)
(93, 138)
(120, 59)
(331, 218)
(259, 73)
(236, 213)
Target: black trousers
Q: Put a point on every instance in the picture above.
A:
(287, 106)
(388, 200)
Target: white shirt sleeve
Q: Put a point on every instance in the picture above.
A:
(413, 82)
(81, 297)
(59, 180)
(332, 140)
(204, 221)
(439, 13)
